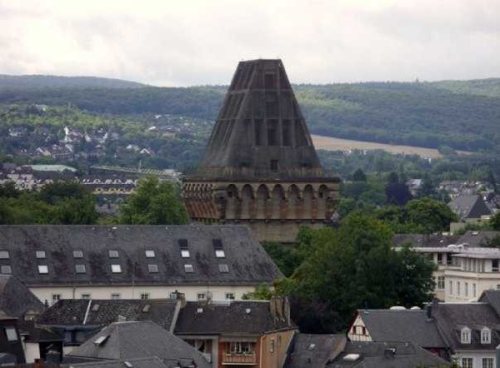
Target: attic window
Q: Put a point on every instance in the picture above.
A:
(5, 269)
(116, 268)
(4, 254)
(43, 269)
(183, 245)
(95, 307)
(465, 335)
(223, 268)
(77, 254)
(101, 340)
(150, 254)
(219, 252)
(485, 336)
(40, 254)
(11, 334)
(153, 268)
(188, 268)
(80, 268)
(113, 254)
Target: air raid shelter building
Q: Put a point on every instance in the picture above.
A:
(260, 167)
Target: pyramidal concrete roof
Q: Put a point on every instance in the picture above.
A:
(260, 131)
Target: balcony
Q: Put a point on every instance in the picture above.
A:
(239, 359)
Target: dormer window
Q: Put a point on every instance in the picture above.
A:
(40, 254)
(485, 336)
(150, 254)
(465, 335)
(183, 245)
(4, 254)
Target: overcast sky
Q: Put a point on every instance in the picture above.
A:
(194, 42)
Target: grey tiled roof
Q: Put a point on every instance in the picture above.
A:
(492, 297)
(477, 238)
(242, 317)
(402, 326)
(76, 312)
(424, 240)
(378, 355)
(469, 206)
(130, 340)
(16, 299)
(452, 317)
(248, 263)
(152, 362)
(314, 350)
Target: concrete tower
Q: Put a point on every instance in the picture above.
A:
(260, 166)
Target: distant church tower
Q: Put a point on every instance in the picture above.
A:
(260, 167)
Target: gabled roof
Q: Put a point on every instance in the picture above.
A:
(236, 317)
(491, 297)
(402, 326)
(152, 362)
(469, 206)
(16, 299)
(247, 261)
(477, 238)
(260, 121)
(424, 240)
(314, 351)
(452, 317)
(386, 354)
(130, 340)
(99, 313)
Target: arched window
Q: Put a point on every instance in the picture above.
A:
(485, 336)
(465, 335)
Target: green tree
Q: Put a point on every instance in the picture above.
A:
(355, 267)
(495, 222)
(154, 203)
(430, 215)
(359, 175)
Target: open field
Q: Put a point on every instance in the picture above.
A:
(339, 144)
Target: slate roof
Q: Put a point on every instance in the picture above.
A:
(424, 240)
(469, 206)
(152, 362)
(492, 297)
(477, 238)
(16, 299)
(72, 312)
(237, 317)
(378, 355)
(248, 263)
(314, 351)
(451, 317)
(130, 340)
(402, 326)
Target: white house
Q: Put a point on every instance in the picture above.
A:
(132, 262)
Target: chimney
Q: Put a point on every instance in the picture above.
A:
(428, 309)
(389, 353)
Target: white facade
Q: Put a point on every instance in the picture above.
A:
(463, 274)
(192, 293)
(475, 359)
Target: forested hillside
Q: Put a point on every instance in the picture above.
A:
(51, 81)
(463, 115)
